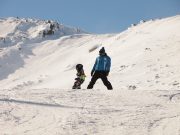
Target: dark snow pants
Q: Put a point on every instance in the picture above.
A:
(77, 83)
(103, 76)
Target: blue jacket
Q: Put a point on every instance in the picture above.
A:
(103, 63)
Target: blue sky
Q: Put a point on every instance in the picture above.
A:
(96, 16)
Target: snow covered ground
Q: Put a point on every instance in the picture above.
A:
(37, 73)
(89, 112)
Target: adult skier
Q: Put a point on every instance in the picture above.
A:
(101, 70)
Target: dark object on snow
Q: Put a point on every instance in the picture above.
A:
(132, 87)
(52, 26)
(80, 77)
(47, 32)
(101, 70)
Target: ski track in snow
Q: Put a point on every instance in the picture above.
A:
(86, 112)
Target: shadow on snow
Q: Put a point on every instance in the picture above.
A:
(38, 103)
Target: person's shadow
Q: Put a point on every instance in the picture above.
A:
(6, 100)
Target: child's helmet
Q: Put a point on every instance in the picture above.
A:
(79, 67)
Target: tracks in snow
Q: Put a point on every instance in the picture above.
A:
(67, 112)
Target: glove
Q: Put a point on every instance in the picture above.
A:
(107, 73)
(92, 72)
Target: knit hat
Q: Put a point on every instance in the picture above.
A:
(102, 51)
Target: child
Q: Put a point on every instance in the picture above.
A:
(80, 77)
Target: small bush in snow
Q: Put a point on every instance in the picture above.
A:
(132, 87)
(142, 21)
(132, 25)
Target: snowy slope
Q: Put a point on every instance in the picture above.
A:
(36, 76)
(145, 56)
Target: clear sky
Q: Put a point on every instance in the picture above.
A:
(96, 16)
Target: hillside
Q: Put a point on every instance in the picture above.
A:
(37, 73)
(145, 56)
